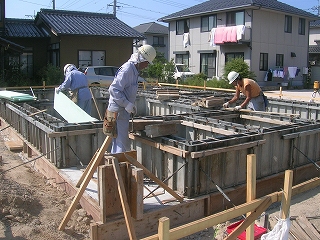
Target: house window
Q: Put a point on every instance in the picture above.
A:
(25, 60)
(302, 26)
(208, 22)
(232, 55)
(288, 24)
(263, 64)
(235, 18)
(182, 26)
(279, 60)
(91, 58)
(183, 58)
(158, 41)
(208, 64)
(54, 54)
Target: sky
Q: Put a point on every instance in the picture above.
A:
(130, 12)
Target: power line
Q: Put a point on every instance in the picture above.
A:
(141, 8)
(34, 3)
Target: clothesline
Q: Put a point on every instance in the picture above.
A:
(282, 72)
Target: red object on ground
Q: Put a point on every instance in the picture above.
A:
(258, 231)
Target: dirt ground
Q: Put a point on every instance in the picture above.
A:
(30, 208)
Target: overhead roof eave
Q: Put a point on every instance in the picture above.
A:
(11, 46)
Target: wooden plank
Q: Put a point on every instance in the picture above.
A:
(266, 120)
(14, 145)
(123, 199)
(251, 188)
(163, 129)
(305, 224)
(86, 170)
(287, 192)
(85, 182)
(140, 124)
(298, 231)
(207, 128)
(154, 178)
(163, 229)
(102, 173)
(136, 196)
(250, 219)
(236, 147)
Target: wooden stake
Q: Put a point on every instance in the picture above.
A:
(287, 192)
(124, 200)
(86, 181)
(163, 228)
(251, 189)
(95, 103)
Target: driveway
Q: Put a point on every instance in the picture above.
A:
(301, 95)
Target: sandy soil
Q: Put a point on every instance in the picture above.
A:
(30, 208)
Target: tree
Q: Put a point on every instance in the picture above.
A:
(238, 65)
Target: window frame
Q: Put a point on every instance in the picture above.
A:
(263, 62)
(288, 24)
(302, 26)
(182, 26)
(233, 20)
(159, 43)
(228, 56)
(208, 19)
(279, 60)
(182, 58)
(83, 63)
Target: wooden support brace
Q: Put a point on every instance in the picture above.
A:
(124, 201)
(163, 229)
(153, 177)
(251, 189)
(287, 192)
(85, 182)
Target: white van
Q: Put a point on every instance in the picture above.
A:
(182, 72)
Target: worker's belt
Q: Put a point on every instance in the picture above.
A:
(110, 123)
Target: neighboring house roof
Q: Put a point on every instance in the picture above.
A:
(85, 23)
(11, 46)
(213, 6)
(315, 24)
(314, 49)
(152, 28)
(23, 28)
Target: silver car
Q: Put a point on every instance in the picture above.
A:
(103, 75)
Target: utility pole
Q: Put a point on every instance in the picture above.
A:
(53, 4)
(114, 7)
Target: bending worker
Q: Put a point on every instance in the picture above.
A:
(255, 99)
(76, 82)
(123, 91)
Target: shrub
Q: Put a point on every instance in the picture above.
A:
(238, 65)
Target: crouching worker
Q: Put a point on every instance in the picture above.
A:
(255, 99)
(123, 91)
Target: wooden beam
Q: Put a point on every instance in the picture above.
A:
(287, 192)
(86, 180)
(236, 147)
(266, 120)
(162, 129)
(124, 200)
(163, 229)
(207, 128)
(250, 219)
(251, 188)
(136, 196)
(84, 174)
(140, 124)
(153, 177)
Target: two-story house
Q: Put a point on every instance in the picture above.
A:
(156, 35)
(314, 50)
(60, 37)
(269, 35)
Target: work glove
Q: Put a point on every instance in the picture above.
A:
(57, 90)
(237, 108)
(131, 108)
(225, 105)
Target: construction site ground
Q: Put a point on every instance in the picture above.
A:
(30, 208)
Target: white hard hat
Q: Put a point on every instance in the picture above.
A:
(147, 52)
(67, 66)
(232, 76)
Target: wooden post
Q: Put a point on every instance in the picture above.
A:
(124, 200)
(251, 189)
(287, 192)
(163, 228)
(136, 199)
(86, 180)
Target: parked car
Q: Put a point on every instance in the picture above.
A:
(182, 72)
(103, 75)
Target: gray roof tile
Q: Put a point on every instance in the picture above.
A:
(315, 24)
(85, 23)
(227, 5)
(152, 28)
(23, 28)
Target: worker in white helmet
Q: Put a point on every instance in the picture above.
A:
(255, 99)
(123, 91)
(76, 82)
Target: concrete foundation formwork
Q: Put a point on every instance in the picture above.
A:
(207, 148)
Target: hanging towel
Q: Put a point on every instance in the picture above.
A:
(186, 40)
(211, 37)
(240, 31)
(219, 35)
(292, 72)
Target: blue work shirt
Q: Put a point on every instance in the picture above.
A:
(124, 87)
(76, 80)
